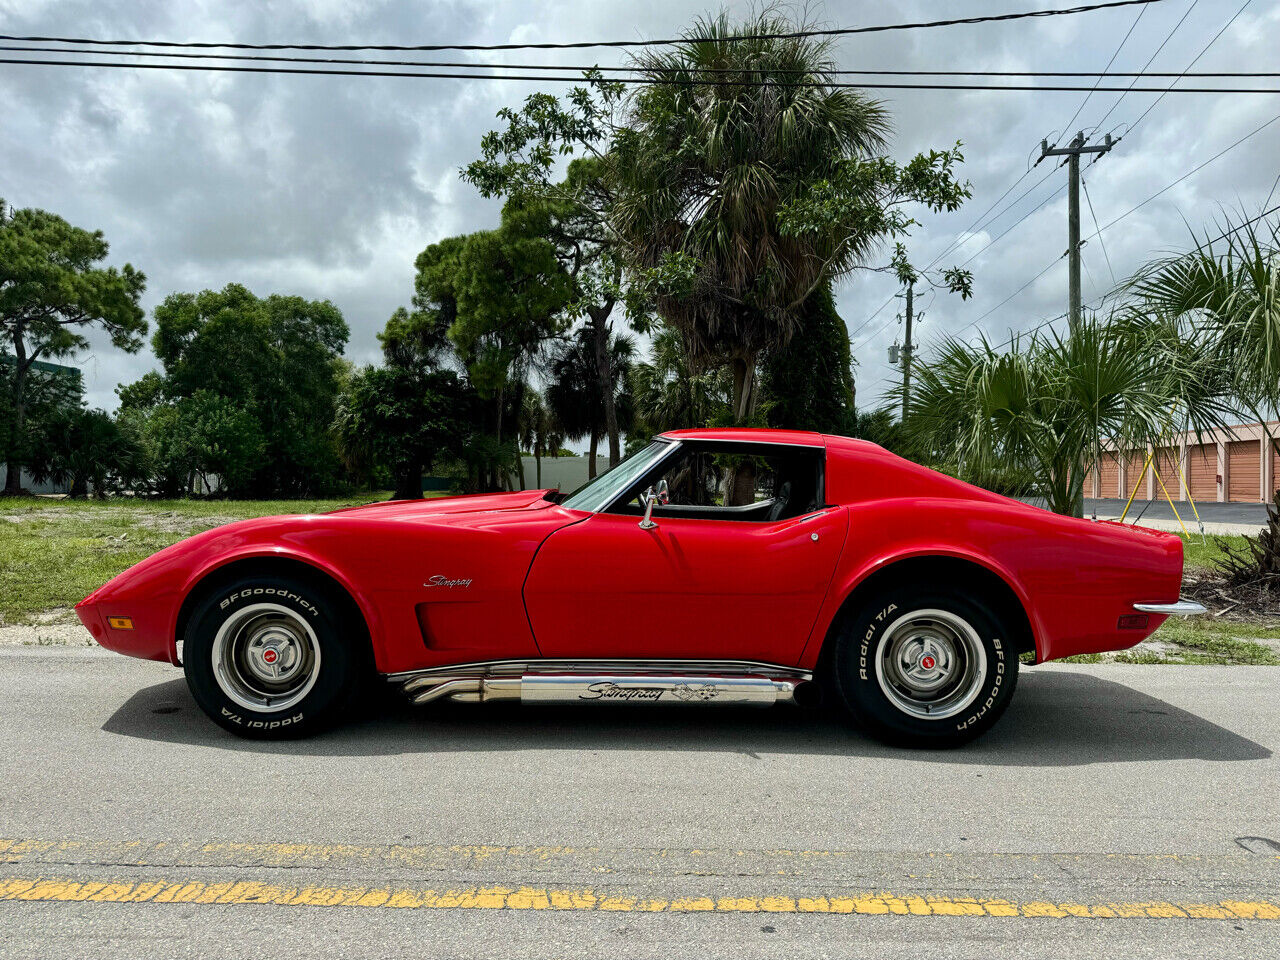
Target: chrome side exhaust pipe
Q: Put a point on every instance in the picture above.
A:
(566, 688)
(468, 689)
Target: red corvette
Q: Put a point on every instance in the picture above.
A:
(709, 567)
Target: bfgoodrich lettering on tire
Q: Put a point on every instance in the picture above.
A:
(927, 668)
(270, 657)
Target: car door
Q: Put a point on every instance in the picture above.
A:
(688, 588)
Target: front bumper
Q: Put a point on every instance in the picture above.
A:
(1181, 608)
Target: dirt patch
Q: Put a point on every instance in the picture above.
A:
(173, 522)
(1233, 603)
(45, 635)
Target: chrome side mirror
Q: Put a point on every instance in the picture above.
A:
(661, 496)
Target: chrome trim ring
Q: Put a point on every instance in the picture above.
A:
(266, 657)
(931, 664)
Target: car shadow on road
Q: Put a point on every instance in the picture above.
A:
(1056, 719)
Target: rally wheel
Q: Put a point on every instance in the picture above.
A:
(925, 668)
(271, 657)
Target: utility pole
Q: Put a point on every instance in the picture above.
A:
(906, 356)
(1072, 152)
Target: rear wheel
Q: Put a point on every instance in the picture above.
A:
(927, 668)
(270, 657)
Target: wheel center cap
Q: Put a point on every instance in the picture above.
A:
(927, 662)
(270, 656)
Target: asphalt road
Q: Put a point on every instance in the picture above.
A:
(1251, 514)
(1116, 811)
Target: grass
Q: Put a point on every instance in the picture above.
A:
(1200, 640)
(1200, 556)
(54, 552)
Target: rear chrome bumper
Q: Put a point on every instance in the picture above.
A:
(1182, 608)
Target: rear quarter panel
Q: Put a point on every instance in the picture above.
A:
(1074, 577)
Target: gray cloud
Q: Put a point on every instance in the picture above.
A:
(329, 187)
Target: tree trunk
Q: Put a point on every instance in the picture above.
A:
(537, 459)
(744, 389)
(600, 326)
(79, 487)
(591, 455)
(740, 486)
(408, 483)
(13, 477)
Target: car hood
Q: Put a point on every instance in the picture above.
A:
(441, 507)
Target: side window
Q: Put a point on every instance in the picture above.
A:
(717, 481)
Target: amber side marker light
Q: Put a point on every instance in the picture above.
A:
(126, 623)
(1132, 621)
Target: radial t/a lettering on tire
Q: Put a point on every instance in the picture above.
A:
(271, 657)
(928, 668)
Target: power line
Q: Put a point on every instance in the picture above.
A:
(698, 71)
(1151, 59)
(1202, 52)
(1252, 133)
(1099, 229)
(646, 81)
(1134, 209)
(1015, 293)
(1237, 229)
(873, 316)
(1083, 103)
(1027, 172)
(578, 45)
(1102, 243)
(1272, 192)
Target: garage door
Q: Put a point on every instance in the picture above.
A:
(1166, 463)
(1244, 471)
(1133, 467)
(1109, 477)
(1202, 470)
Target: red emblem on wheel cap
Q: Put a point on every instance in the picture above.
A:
(270, 656)
(928, 662)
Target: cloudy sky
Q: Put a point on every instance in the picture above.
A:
(329, 186)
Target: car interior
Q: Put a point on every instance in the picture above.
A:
(759, 483)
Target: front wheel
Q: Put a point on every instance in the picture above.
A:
(270, 657)
(925, 668)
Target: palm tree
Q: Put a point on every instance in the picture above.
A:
(1050, 402)
(539, 432)
(704, 169)
(577, 397)
(1225, 296)
(668, 395)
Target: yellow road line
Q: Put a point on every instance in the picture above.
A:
(239, 892)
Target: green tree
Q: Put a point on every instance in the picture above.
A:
(572, 213)
(164, 448)
(500, 296)
(808, 383)
(204, 443)
(86, 447)
(278, 359)
(743, 198)
(225, 441)
(668, 395)
(408, 414)
(52, 290)
(51, 397)
(576, 394)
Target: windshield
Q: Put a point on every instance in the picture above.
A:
(596, 494)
